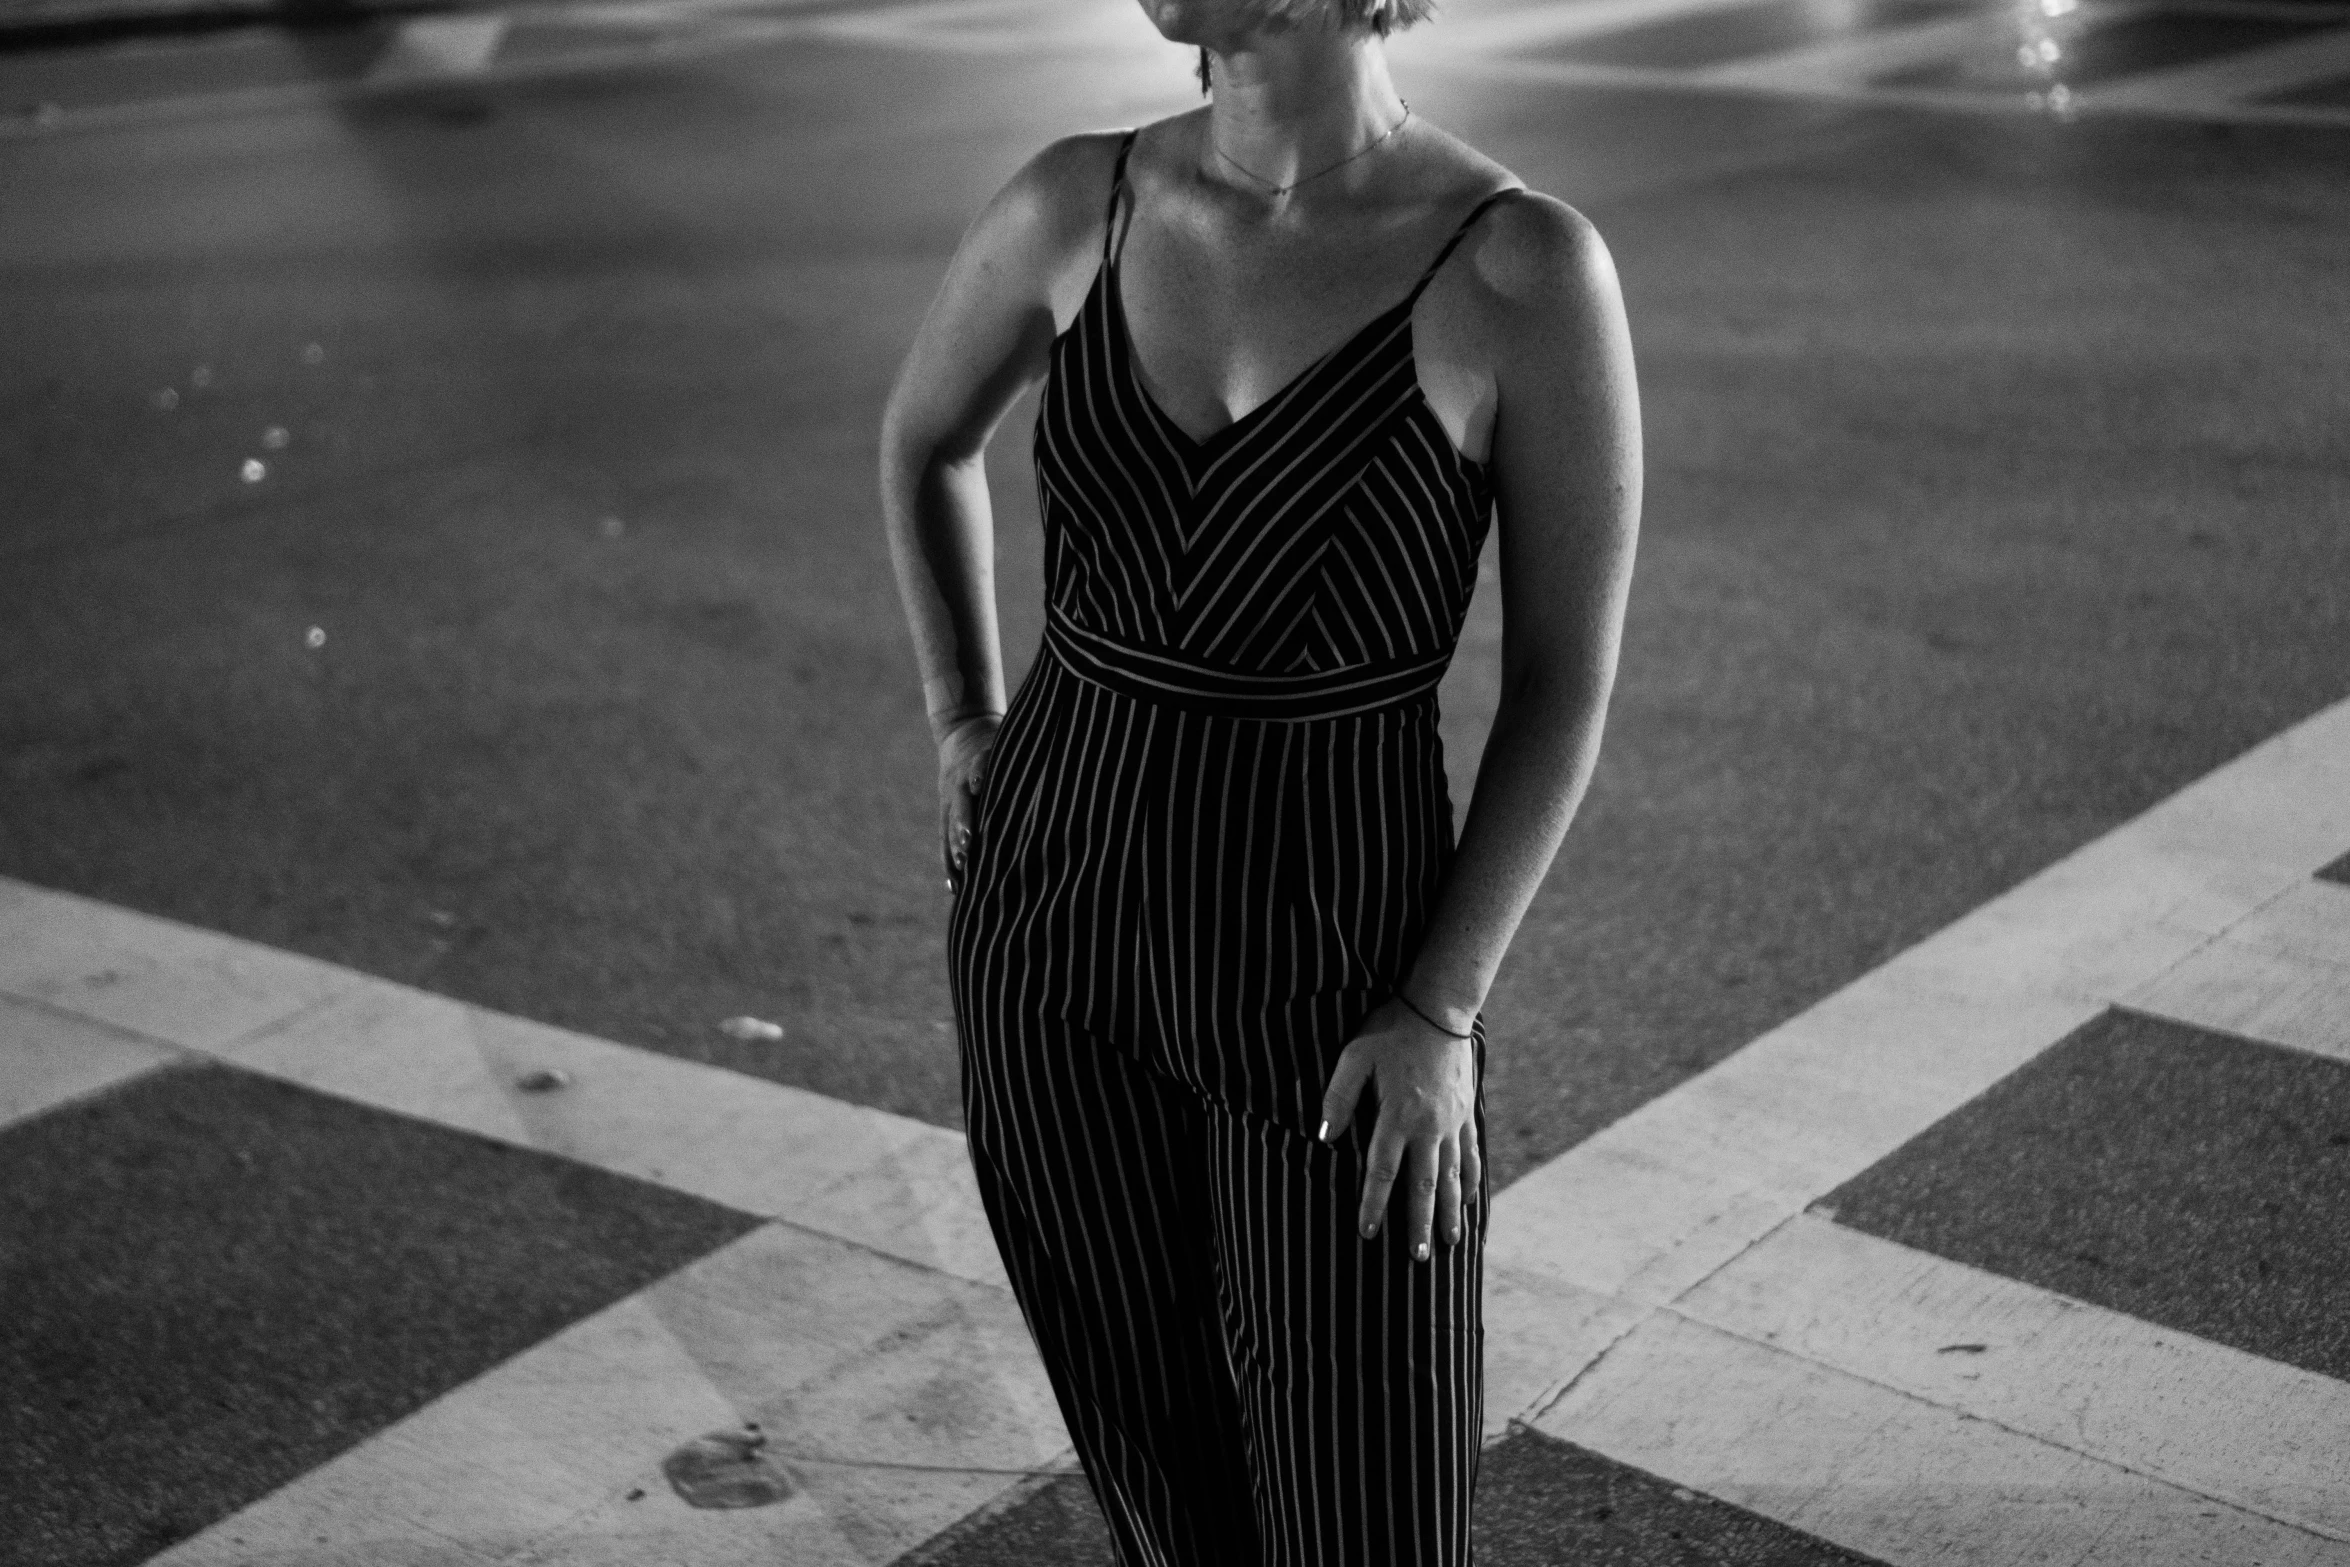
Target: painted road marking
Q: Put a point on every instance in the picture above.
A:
(1856, 66)
(162, 981)
(1648, 1206)
(48, 1058)
(1879, 1471)
(892, 1395)
(2268, 1438)
(1642, 1300)
(1651, 1211)
(931, 1405)
(2282, 976)
(688, 30)
(2248, 87)
(895, 1185)
(1857, 59)
(432, 48)
(886, 1182)
(1520, 44)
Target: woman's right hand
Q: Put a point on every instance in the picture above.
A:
(963, 751)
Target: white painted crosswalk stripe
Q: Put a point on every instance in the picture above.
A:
(1894, 1476)
(877, 1180)
(48, 1058)
(433, 48)
(883, 1289)
(1864, 63)
(2268, 1438)
(1852, 62)
(1636, 1234)
(2282, 976)
(893, 1396)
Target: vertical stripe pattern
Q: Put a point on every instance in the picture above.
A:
(1214, 824)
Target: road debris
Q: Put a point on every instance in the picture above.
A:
(752, 1030)
(543, 1080)
(726, 1469)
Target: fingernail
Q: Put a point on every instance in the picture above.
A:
(1369, 1231)
(1420, 1252)
(1324, 1134)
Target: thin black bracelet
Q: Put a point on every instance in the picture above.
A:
(1413, 1007)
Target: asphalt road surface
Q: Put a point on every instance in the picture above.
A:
(438, 529)
(1998, 470)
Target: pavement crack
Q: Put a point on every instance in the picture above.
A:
(1545, 1405)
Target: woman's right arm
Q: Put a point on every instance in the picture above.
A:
(986, 340)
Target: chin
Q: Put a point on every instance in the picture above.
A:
(1190, 22)
(1178, 21)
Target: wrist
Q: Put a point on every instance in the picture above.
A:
(945, 726)
(1453, 1019)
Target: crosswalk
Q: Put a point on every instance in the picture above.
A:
(2209, 60)
(1675, 1293)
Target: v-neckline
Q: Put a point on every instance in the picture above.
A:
(1223, 433)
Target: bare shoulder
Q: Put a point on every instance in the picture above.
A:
(1051, 212)
(1541, 270)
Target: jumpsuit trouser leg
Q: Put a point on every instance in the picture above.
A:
(1247, 1380)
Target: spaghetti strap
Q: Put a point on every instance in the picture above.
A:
(1458, 235)
(1117, 188)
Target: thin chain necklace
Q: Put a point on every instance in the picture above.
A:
(1363, 151)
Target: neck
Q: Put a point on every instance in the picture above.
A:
(1291, 102)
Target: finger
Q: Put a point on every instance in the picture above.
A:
(1448, 1191)
(954, 835)
(1344, 1091)
(1419, 1206)
(1379, 1173)
(1472, 1163)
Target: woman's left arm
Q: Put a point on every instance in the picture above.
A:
(1565, 462)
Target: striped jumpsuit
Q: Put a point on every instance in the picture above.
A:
(1214, 823)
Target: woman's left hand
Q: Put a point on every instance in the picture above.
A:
(1427, 1127)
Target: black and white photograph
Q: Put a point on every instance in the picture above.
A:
(1174, 783)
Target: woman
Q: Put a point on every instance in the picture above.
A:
(1217, 962)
